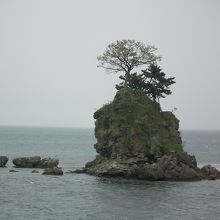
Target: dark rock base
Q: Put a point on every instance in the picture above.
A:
(171, 167)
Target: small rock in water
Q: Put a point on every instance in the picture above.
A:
(69, 172)
(209, 172)
(53, 171)
(34, 171)
(81, 170)
(3, 161)
(13, 171)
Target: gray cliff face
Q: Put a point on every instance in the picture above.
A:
(135, 139)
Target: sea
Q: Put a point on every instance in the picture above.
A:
(28, 196)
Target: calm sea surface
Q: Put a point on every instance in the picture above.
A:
(25, 195)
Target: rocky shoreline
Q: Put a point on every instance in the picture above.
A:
(171, 167)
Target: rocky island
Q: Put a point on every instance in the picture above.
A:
(135, 138)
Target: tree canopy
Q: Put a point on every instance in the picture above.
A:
(125, 55)
(156, 85)
(152, 81)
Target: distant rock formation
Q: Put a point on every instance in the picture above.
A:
(135, 139)
(3, 161)
(35, 162)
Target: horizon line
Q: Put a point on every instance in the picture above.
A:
(81, 127)
(46, 126)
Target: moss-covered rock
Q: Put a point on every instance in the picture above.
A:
(133, 125)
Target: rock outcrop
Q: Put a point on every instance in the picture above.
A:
(209, 172)
(135, 139)
(53, 171)
(134, 126)
(35, 162)
(48, 162)
(26, 162)
(3, 161)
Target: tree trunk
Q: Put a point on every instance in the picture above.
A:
(126, 80)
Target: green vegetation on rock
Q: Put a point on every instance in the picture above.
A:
(134, 126)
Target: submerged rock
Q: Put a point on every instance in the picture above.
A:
(81, 170)
(13, 171)
(35, 162)
(69, 172)
(135, 139)
(53, 171)
(3, 161)
(34, 171)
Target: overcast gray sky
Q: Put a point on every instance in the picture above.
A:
(48, 51)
